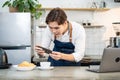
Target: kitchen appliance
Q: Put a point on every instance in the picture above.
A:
(15, 36)
(4, 60)
(3, 57)
(116, 0)
(115, 42)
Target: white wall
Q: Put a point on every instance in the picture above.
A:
(5, 9)
(65, 3)
(75, 3)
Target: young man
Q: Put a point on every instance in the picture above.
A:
(68, 38)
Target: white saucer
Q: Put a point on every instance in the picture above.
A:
(44, 68)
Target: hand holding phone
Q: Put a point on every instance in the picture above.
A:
(45, 49)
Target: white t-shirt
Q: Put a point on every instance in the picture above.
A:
(78, 39)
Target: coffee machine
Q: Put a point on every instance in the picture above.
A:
(115, 41)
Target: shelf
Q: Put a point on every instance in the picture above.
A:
(94, 26)
(43, 26)
(82, 9)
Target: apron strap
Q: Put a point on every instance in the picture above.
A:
(70, 30)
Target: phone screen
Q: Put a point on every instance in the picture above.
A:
(45, 49)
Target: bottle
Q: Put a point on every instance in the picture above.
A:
(88, 23)
(102, 4)
(83, 22)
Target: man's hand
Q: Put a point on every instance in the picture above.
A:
(39, 50)
(56, 55)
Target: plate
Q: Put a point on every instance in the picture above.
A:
(23, 68)
(44, 68)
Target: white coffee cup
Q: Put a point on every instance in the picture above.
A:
(45, 64)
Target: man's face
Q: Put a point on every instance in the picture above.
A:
(56, 29)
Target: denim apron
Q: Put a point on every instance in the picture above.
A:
(66, 48)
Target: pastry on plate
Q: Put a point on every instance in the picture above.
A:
(26, 64)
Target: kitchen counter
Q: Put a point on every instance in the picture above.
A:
(58, 73)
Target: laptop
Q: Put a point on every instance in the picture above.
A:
(110, 61)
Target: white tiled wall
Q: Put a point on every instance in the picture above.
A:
(39, 34)
(94, 42)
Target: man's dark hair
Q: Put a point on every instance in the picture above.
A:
(57, 15)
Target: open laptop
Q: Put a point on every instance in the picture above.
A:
(110, 61)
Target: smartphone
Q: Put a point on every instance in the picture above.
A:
(45, 49)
